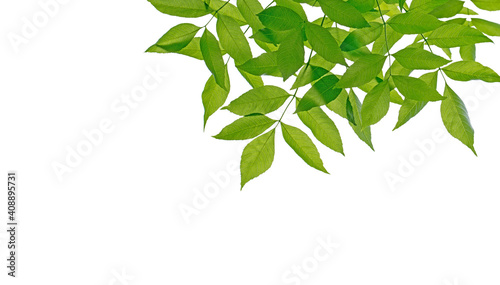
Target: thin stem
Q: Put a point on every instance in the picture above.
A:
(215, 13)
(286, 108)
(386, 40)
(296, 90)
(430, 49)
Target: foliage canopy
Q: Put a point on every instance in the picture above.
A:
(356, 34)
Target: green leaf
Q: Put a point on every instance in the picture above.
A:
(350, 112)
(425, 6)
(182, 8)
(467, 11)
(468, 52)
(470, 70)
(254, 80)
(454, 35)
(257, 157)
(245, 128)
(343, 13)
(324, 44)
(233, 40)
(362, 5)
(416, 58)
(270, 36)
(410, 108)
(364, 133)
(303, 146)
(213, 97)
(416, 89)
(323, 128)
(414, 22)
(296, 7)
(178, 37)
(249, 10)
(261, 100)
(291, 55)
(456, 118)
(362, 71)
(321, 93)
(449, 9)
(487, 27)
(192, 49)
(265, 64)
(212, 56)
(362, 37)
(376, 104)
(309, 73)
(490, 5)
(348, 106)
(280, 18)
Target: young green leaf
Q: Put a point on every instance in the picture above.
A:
(212, 56)
(233, 40)
(309, 73)
(487, 27)
(468, 53)
(178, 37)
(448, 9)
(416, 89)
(249, 10)
(414, 22)
(324, 44)
(410, 108)
(280, 18)
(470, 70)
(296, 7)
(363, 6)
(303, 146)
(323, 128)
(364, 133)
(425, 6)
(490, 5)
(348, 106)
(254, 80)
(257, 157)
(182, 8)
(376, 104)
(349, 111)
(343, 13)
(362, 71)
(362, 37)
(245, 128)
(261, 100)
(290, 54)
(192, 49)
(214, 96)
(416, 58)
(321, 93)
(454, 35)
(265, 64)
(456, 118)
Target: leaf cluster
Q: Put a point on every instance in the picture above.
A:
(280, 40)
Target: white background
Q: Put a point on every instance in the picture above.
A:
(118, 210)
